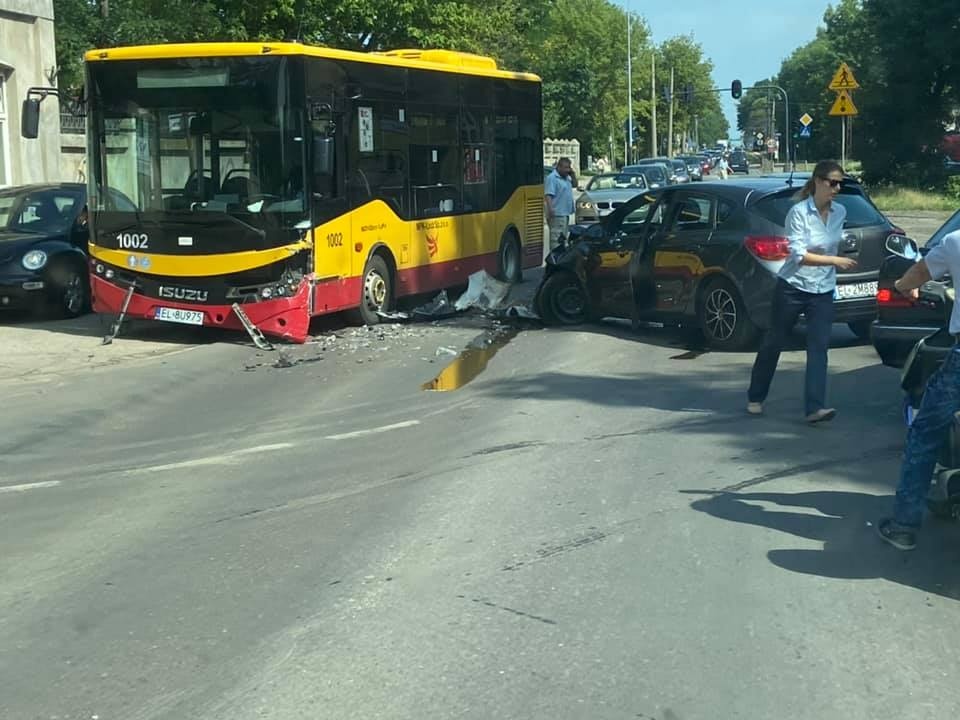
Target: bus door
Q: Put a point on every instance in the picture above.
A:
(331, 223)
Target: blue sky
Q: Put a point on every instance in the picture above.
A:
(745, 39)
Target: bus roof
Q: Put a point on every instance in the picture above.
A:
(442, 60)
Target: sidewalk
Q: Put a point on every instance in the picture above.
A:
(44, 350)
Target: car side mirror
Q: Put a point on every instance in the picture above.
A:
(903, 246)
(30, 118)
(323, 155)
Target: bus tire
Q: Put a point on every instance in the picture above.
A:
(510, 259)
(376, 292)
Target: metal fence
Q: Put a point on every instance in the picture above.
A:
(73, 124)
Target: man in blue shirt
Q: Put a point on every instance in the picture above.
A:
(941, 400)
(558, 192)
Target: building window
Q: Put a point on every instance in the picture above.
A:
(4, 140)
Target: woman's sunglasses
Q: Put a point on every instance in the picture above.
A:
(833, 183)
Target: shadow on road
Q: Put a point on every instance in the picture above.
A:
(845, 526)
(862, 447)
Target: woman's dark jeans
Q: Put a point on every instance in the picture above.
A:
(788, 303)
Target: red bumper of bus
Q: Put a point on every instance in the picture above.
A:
(287, 318)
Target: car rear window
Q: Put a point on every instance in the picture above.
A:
(860, 212)
(953, 223)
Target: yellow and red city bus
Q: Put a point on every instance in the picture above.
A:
(294, 181)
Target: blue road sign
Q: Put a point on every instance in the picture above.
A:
(805, 131)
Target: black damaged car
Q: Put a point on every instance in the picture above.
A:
(706, 256)
(43, 249)
(902, 322)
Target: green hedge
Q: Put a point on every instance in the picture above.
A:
(953, 188)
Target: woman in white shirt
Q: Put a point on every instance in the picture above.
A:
(806, 284)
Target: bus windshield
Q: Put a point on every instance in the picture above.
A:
(197, 135)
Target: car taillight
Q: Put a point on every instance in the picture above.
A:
(892, 299)
(768, 247)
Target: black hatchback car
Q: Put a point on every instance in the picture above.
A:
(738, 162)
(705, 255)
(902, 322)
(43, 244)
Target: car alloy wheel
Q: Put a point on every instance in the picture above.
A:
(720, 314)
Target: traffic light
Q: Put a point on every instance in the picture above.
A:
(736, 89)
(688, 94)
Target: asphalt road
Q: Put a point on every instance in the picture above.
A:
(591, 528)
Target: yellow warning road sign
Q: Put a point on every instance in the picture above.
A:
(805, 119)
(843, 105)
(843, 79)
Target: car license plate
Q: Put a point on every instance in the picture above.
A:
(185, 317)
(856, 290)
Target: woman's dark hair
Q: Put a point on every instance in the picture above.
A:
(821, 170)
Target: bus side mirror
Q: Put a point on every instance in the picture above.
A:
(30, 118)
(323, 155)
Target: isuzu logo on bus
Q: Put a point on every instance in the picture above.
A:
(176, 293)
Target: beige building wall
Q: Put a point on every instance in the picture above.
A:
(28, 59)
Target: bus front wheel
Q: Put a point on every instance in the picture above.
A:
(509, 259)
(376, 292)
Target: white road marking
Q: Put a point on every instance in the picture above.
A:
(28, 486)
(224, 459)
(373, 431)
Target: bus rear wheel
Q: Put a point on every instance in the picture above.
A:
(376, 292)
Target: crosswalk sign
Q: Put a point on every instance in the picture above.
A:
(805, 131)
(843, 79)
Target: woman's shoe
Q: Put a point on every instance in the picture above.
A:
(821, 415)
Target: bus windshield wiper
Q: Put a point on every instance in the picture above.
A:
(262, 234)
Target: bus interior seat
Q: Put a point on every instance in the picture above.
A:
(235, 185)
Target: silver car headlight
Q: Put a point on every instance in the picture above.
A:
(34, 260)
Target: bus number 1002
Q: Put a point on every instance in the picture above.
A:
(335, 240)
(133, 241)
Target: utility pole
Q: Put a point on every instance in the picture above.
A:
(696, 131)
(670, 119)
(653, 104)
(629, 94)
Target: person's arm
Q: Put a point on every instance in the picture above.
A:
(912, 279)
(549, 193)
(933, 267)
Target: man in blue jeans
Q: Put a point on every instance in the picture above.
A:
(941, 399)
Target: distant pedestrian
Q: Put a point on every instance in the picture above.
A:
(806, 284)
(558, 192)
(722, 167)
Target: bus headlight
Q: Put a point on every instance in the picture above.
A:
(34, 260)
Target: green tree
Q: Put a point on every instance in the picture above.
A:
(918, 83)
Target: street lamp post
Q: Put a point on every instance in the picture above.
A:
(786, 113)
(629, 94)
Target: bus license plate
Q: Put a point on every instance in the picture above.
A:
(856, 290)
(185, 317)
